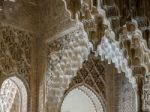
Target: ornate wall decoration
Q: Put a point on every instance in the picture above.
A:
(71, 51)
(8, 92)
(104, 42)
(138, 57)
(15, 48)
(92, 73)
(127, 97)
(110, 50)
(129, 52)
(146, 93)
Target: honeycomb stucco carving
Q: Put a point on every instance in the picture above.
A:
(129, 60)
(65, 57)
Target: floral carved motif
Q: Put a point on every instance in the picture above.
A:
(15, 52)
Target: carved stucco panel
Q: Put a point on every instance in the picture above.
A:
(65, 57)
(146, 93)
(15, 48)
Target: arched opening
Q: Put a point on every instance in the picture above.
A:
(82, 99)
(13, 95)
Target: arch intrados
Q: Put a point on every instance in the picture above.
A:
(88, 91)
(22, 89)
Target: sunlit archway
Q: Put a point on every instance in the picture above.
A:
(82, 99)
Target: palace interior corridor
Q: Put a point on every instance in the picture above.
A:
(74, 55)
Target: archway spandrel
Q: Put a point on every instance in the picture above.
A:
(16, 52)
